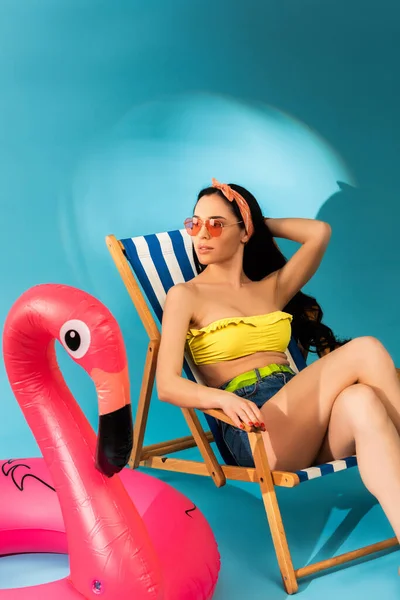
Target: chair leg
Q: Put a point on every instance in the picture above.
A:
(212, 464)
(273, 513)
(144, 403)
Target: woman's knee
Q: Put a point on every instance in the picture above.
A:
(361, 406)
(368, 349)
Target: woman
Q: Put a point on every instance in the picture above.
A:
(236, 318)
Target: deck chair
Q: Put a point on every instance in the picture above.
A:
(149, 265)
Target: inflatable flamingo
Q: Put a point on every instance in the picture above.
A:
(129, 536)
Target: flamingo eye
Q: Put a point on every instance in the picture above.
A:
(75, 337)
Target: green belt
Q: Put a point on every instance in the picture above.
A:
(250, 377)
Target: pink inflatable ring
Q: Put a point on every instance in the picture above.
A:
(129, 536)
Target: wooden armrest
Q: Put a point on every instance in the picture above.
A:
(219, 414)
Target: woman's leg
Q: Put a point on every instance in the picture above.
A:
(297, 417)
(360, 424)
(343, 403)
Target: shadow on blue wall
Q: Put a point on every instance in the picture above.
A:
(359, 279)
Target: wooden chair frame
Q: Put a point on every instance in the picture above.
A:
(154, 455)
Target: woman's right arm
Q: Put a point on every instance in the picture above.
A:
(171, 386)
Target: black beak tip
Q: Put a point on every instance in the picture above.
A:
(115, 441)
(107, 467)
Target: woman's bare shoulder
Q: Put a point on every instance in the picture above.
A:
(186, 292)
(185, 301)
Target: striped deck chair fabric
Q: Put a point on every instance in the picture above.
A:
(162, 260)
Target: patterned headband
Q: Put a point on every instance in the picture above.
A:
(231, 195)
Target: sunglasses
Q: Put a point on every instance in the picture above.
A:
(213, 226)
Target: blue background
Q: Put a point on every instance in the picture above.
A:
(114, 115)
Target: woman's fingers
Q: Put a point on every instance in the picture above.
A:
(251, 418)
(245, 415)
(255, 415)
(235, 418)
(245, 412)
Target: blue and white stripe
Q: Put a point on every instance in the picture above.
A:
(161, 260)
(327, 468)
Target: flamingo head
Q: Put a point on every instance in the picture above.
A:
(91, 336)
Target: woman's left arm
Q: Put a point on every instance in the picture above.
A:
(314, 236)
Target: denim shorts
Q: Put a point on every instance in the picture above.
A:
(260, 392)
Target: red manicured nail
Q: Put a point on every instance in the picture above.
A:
(258, 424)
(241, 426)
(251, 424)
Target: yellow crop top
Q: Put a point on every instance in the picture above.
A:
(234, 337)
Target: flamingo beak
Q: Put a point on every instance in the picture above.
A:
(115, 435)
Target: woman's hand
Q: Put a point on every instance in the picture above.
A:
(242, 411)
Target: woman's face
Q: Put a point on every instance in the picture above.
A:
(211, 249)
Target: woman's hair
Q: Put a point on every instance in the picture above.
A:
(307, 327)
